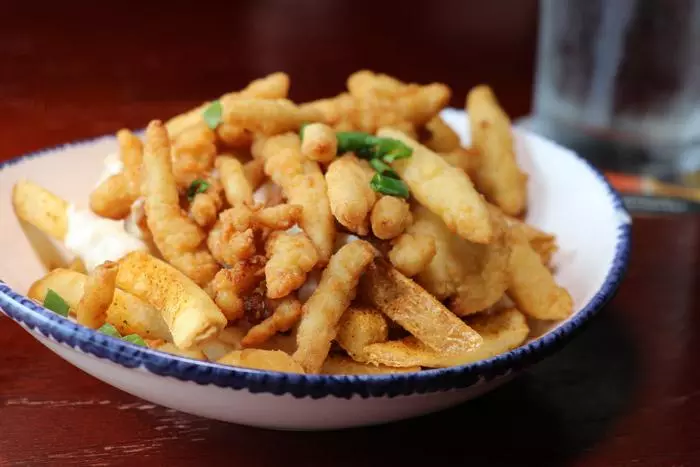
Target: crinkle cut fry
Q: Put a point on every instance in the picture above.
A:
(323, 309)
(179, 239)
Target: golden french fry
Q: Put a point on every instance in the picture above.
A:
(501, 332)
(320, 143)
(406, 303)
(98, 293)
(359, 327)
(271, 360)
(390, 216)
(442, 137)
(189, 313)
(349, 193)
(324, 308)
(497, 175)
(444, 189)
(233, 178)
(342, 365)
(127, 313)
(269, 117)
(40, 208)
(286, 314)
(532, 286)
(412, 253)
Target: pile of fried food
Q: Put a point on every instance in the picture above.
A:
(347, 235)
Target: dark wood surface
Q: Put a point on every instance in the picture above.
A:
(624, 392)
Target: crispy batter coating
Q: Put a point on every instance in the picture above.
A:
(290, 258)
(319, 143)
(390, 217)
(442, 137)
(98, 294)
(267, 116)
(412, 253)
(349, 192)
(360, 327)
(193, 153)
(271, 360)
(230, 284)
(237, 187)
(287, 312)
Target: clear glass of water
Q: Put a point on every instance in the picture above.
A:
(619, 81)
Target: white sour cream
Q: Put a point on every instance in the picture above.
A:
(96, 239)
(112, 166)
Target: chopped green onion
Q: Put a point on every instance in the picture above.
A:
(135, 339)
(353, 141)
(212, 115)
(383, 168)
(56, 303)
(301, 130)
(389, 186)
(197, 186)
(390, 149)
(109, 330)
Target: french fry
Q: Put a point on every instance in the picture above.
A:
(532, 286)
(127, 313)
(342, 365)
(497, 175)
(98, 293)
(406, 303)
(269, 117)
(359, 327)
(501, 332)
(444, 189)
(40, 208)
(189, 313)
(271, 360)
(324, 308)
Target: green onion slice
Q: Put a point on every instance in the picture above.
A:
(383, 168)
(56, 303)
(212, 115)
(135, 339)
(389, 186)
(109, 330)
(197, 186)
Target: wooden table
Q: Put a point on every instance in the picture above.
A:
(625, 392)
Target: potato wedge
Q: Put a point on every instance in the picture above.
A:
(501, 331)
(342, 365)
(169, 347)
(127, 313)
(272, 360)
(40, 208)
(421, 314)
(444, 189)
(360, 327)
(191, 315)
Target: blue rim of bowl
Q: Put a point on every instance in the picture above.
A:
(36, 318)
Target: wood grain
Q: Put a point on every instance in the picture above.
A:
(624, 392)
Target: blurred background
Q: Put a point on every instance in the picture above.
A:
(617, 81)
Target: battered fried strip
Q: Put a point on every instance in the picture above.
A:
(360, 327)
(531, 285)
(350, 195)
(230, 284)
(365, 84)
(205, 207)
(466, 159)
(269, 117)
(497, 175)
(319, 143)
(407, 304)
(287, 312)
(233, 178)
(412, 253)
(98, 294)
(545, 244)
(303, 184)
(501, 332)
(390, 217)
(270, 360)
(442, 137)
(254, 171)
(444, 189)
(179, 239)
(323, 309)
(342, 365)
(193, 153)
(127, 313)
(290, 258)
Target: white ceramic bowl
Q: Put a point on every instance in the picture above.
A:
(566, 196)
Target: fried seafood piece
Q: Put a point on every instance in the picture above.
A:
(290, 258)
(230, 284)
(286, 314)
(349, 193)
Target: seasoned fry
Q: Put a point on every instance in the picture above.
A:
(445, 190)
(237, 187)
(350, 195)
(290, 258)
(390, 217)
(269, 117)
(497, 175)
(319, 143)
(40, 208)
(179, 239)
(500, 331)
(189, 313)
(342, 365)
(360, 327)
(407, 304)
(287, 312)
(98, 293)
(412, 253)
(303, 183)
(230, 284)
(531, 285)
(271, 360)
(323, 309)
(442, 137)
(127, 313)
